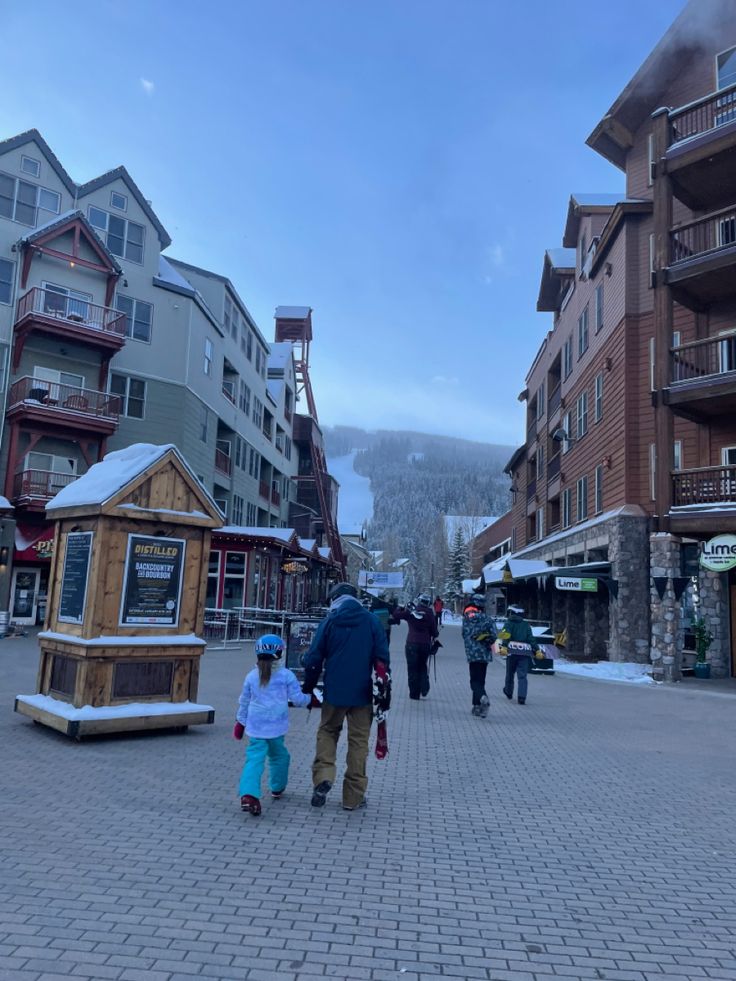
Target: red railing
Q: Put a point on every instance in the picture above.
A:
(67, 398)
(81, 313)
(700, 359)
(705, 485)
(263, 490)
(709, 234)
(41, 484)
(222, 462)
(709, 113)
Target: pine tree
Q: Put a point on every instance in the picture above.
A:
(457, 566)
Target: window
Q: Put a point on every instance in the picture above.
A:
(251, 515)
(583, 250)
(30, 166)
(582, 499)
(258, 359)
(7, 275)
(203, 423)
(213, 579)
(27, 203)
(238, 503)
(652, 385)
(676, 338)
(726, 68)
(132, 392)
(244, 397)
(540, 401)
(677, 455)
(244, 335)
(583, 332)
(598, 397)
(540, 523)
(287, 447)
(123, 238)
(598, 307)
(567, 426)
(581, 411)
(249, 347)
(254, 463)
(59, 468)
(540, 463)
(67, 378)
(653, 471)
(652, 269)
(651, 168)
(513, 539)
(598, 489)
(209, 353)
(62, 302)
(4, 348)
(566, 508)
(567, 358)
(279, 442)
(728, 456)
(221, 502)
(138, 317)
(118, 200)
(257, 415)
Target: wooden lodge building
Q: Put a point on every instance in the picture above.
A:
(629, 460)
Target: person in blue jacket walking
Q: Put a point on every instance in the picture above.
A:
(263, 712)
(350, 643)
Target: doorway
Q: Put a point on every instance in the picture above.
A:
(24, 596)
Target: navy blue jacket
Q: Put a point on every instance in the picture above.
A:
(347, 644)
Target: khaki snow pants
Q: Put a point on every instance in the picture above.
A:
(359, 727)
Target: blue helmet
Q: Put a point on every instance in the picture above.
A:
(270, 645)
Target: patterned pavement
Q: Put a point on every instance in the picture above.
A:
(588, 834)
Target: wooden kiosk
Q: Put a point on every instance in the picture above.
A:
(121, 647)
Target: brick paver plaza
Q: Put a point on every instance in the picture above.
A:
(588, 834)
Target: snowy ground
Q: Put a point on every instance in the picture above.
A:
(635, 674)
(355, 508)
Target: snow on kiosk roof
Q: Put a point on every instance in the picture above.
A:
(113, 483)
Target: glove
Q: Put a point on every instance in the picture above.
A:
(539, 655)
(238, 730)
(307, 689)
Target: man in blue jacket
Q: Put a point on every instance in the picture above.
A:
(349, 643)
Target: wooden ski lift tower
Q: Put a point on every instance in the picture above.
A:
(294, 324)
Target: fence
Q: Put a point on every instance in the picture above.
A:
(229, 628)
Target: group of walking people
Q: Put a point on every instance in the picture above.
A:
(351, 648)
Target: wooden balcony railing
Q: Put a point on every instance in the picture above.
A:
(66, 398)
(531, 489)
(275, 497)
(706, 485)
(711, 112)
(555, 397)
(40, 484)
(263, 490)
(553, 467)
(709, 234)
(222, 462)
(55, 306)
(699, 359)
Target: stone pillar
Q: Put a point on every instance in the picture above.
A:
(665, 652)
(713, 605)
(628, 551)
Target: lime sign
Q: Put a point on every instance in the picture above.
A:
(575, 584)
(719, 553)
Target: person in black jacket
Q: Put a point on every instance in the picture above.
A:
(422, 634)
(349, 644)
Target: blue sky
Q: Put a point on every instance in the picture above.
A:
(398, 165)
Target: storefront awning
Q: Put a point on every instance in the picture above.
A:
(506, 570)
(33, 543)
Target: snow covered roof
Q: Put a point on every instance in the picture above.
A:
(167, 274)
(561, 258)
(5, 504)
(519, 569)
(280, 355)
(598, 200)
(307, 543)
(293, 313)
(278, 534)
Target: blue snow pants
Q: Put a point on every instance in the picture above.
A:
(517, 664)
(255, 762)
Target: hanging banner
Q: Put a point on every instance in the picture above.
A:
(718, 554)
(381, 580)
(154, 569)
(75, 576)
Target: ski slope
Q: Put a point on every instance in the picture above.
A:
(355, 501)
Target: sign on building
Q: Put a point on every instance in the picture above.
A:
(574, 584)
(75, 576)
(719, 553)
(152, 582)
(381, 580)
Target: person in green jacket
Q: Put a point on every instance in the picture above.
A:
(517, 638)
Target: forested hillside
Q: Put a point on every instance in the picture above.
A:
(416, 479)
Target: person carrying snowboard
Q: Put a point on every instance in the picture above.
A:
(518, 640)
(479, 634)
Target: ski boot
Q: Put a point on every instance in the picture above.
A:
(251, 805)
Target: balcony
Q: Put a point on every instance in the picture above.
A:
(264, 490)
(531, 431)
(701, 157)
(553, 467)
(65, 406)
(223, 464)
(703, 259)
(71, 319)
(703, 378)
(703, 500)
(555, 400)
(35, 488)
(229, 389)
(275, 497)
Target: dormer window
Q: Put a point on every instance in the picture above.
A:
(726, 68)
(30, 166)
(118, 200)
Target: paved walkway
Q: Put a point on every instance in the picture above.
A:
(588, 834)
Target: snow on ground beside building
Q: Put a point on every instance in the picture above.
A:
(634, 674)
(355, 503)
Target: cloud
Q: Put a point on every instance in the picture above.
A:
(147, 86)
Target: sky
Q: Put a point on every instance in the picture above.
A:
(398, 165)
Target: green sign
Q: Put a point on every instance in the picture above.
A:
(574, 584)
(719, 553)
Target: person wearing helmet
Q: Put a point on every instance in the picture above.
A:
(422, 635)
(479, 634)
(263, 712)
(518, 640)
(349, 645)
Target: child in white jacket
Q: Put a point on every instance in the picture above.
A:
(263, 713)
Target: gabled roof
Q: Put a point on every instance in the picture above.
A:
(587, 204)
(33, 136)
(169, 278)
(120, 173)
(559, 266)
(613, 226)
(57, 224)
(516, 458)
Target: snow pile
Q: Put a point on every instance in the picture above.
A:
(355, 508)
(104, 479)
(133, 710)
(634, 674)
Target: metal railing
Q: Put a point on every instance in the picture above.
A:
(708, 113)
(704, 485)
(69, 398)
(703, 358)
(41, 484)
(709, 234)
(229, 628)
(81, 313)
